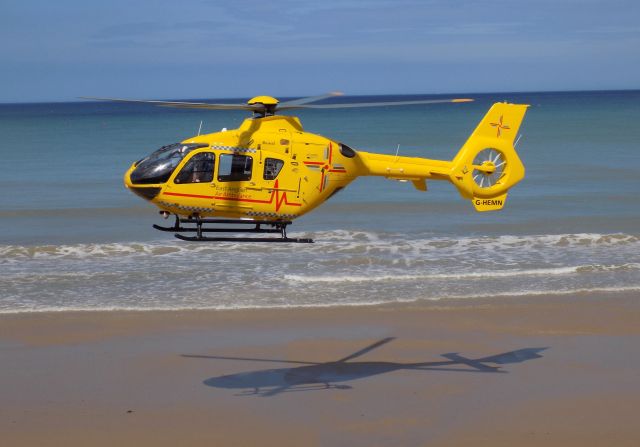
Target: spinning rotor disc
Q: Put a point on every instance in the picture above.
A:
(267, 105)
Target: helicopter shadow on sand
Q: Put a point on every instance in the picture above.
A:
(309, 376)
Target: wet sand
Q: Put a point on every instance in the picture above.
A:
(548, 370)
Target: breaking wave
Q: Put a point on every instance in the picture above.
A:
(343, 268)
(482, 275)
(339, 241)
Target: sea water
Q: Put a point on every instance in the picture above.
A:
(72, 237)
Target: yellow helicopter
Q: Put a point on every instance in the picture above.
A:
(268, 172)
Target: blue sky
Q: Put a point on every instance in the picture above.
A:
(58, 50)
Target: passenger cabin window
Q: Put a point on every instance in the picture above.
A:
(272, 167)
(198, 170)
(347, 151)
(234, 168)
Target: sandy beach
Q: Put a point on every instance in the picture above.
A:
(546, 370)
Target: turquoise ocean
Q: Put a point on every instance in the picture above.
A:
(73, 238)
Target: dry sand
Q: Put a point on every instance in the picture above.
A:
(438, 374)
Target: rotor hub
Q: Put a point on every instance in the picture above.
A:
(268, 103)
(488, 167)
(264, 100)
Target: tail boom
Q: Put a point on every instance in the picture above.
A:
(483, 171)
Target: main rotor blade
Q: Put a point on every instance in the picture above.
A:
(367, 349)
(374, 104)
(437, 368)
(308, 99)
(183, 105)
(250, 359)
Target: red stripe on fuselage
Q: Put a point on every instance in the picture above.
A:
(274, 195)
(188, 195)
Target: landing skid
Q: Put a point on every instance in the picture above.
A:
(258, 227)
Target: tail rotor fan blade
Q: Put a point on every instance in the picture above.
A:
(498, 162)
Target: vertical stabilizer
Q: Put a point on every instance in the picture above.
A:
(487, 165)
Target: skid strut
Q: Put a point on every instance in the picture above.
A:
(198, 226)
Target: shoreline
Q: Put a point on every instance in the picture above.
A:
(451, 301)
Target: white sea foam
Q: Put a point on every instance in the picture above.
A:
(465, 275)
(338, 241)
(223, 307)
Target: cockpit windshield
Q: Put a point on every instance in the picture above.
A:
(157, 167)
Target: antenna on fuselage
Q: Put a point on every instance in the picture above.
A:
(200, 128)
(517, 141)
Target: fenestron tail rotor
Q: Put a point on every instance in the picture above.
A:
(489, 167)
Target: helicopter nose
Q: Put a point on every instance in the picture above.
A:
(147, 193)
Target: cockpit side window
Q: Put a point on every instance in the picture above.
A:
(234, 168)
(272, 167)
(158, 167)
(199, 169)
